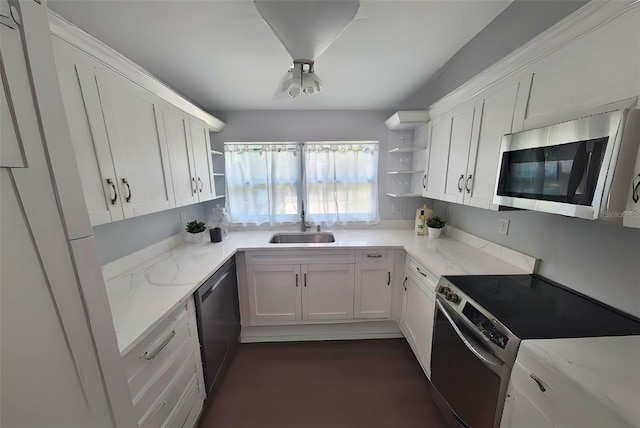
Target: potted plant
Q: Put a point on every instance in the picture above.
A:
(195, 232)
(434, 226)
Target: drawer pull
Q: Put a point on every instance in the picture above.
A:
(151, 355)
(539, 382)
(420, 271)
(374, 256)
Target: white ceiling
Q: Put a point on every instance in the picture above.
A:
(223, 56)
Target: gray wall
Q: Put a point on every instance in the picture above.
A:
(116, 240)
(520, 22)
(597, 258)
(318, 125)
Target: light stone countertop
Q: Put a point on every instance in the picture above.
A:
(602, 372)
(144, 293)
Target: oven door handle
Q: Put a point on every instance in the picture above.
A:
(485, 356)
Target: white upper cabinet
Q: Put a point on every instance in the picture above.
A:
(496, 111)
(600, 67)
(462, 127)
(88, 134)
(437, 151)
(133, 119)
(201, 147)
(183, 171)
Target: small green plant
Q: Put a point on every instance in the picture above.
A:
(436, 222)
(195, 226)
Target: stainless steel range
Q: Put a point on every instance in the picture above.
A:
(479, 323)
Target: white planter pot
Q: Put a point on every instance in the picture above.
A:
(194, 238)
(434, 233)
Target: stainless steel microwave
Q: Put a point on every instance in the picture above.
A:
(581, 168)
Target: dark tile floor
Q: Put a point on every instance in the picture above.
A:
(364, 383)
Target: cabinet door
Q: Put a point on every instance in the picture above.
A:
(202, 159)
(462, 127)
(373, 284)
(138, 144)
(419, 321)
(437, 152)
(183, 174)
(571, 81)
(76, 74)
(520, 412)
(496, 121)
(327, 291)
(275, 292)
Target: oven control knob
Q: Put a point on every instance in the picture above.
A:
(444, 290)
(452, 297)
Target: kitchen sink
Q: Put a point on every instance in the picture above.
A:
(302, 238)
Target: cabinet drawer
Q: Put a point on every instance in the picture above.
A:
(423, 276)
(141, 364)
(168, 403)
(373, 257)
(183, 360)
(186, 405)
(290, 257)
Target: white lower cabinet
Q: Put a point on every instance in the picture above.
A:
(274, 292)
(301, 292)
(287, 286)
(418, 309)
(543, 392)
(164, 372)
(374, 272)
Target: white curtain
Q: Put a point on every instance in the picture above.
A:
(263, 182)
(341, 182)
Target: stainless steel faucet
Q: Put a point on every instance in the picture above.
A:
(303, 224)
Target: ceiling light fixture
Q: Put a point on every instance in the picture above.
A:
(301, 79)
(306, 29)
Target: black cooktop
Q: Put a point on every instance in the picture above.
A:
(533, 307)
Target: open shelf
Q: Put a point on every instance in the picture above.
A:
(406, 149)
(404, 195)
(416, 171)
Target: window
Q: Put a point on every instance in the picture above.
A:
(337, 180)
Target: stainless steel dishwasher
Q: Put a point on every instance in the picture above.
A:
(218, 317)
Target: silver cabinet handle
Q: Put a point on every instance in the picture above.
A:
(539, 382)
(634, 194)
(466, 185)
(194, 186)
(115, 192)
(374, 256)
(404, 283)
(420, 272)
(389, 278)
(126, 183)
(150, 355)
(201, 185)
(305, 279)
(424, 184)
(296, 280)
(460, 182)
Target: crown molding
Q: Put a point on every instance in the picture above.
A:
(106, 55)
(582, 22)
